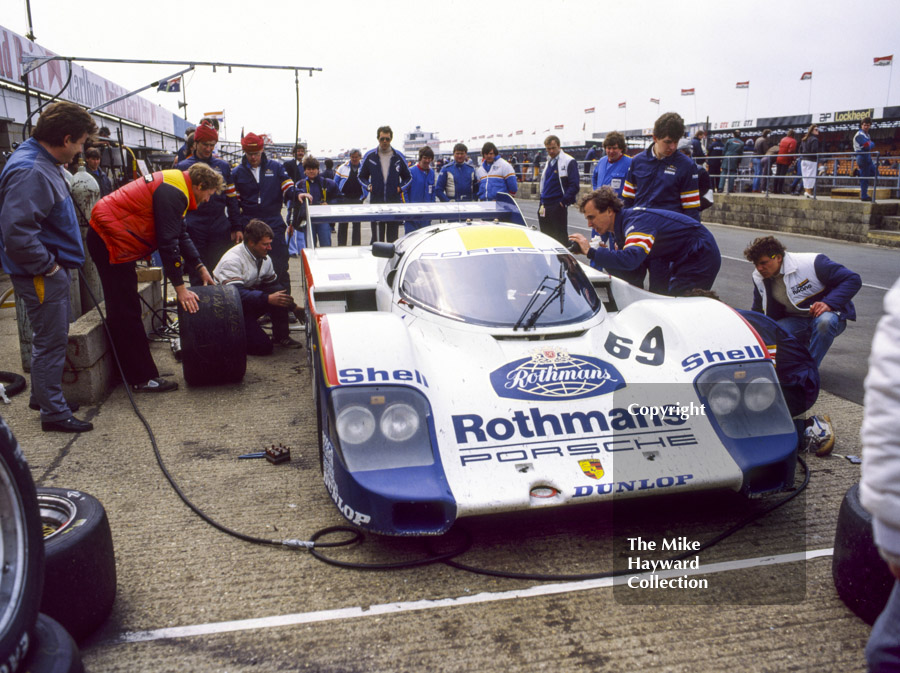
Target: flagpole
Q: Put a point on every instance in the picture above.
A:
(890, 74)
(746, 103)
(809, 103)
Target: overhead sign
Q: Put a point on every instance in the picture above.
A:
(85, 88)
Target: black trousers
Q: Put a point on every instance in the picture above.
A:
(355, 236)
(123, 313)
(554, 222)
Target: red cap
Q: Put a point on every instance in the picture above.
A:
(252, 143)
(205, 132)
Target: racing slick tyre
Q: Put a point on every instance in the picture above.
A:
(80, 567)
(12, 382)
(861, 577)
(21, 554)
(53, 650)
(213, 342)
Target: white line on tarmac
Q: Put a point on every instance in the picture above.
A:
(413, 606)
(874, 287)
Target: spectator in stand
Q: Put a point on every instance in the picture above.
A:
(809, 295)
(760, 147)
(863, 146)
(809, 155)
(92, 159)
(384, 172)
(733, 150)
(352, 191)
(559, 189)
(881, 473)
(128, 225)
(40, 246)
(247, 266)
(263, 186)
(216, 224)
(697, 150)
(536, 165)
(515, 165)
(456, 181)
(612, 169)
(703, 180)
(768, 160)
(683, 252)
(714, 163)
(786, 148)
(328, 173)
(590, 159)
(660, 176)
(187, 149)
(494, 175)
(316, 190)
(420, 188)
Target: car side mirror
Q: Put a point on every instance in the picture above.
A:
(382, 249)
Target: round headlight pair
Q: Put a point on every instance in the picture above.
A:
(724, 397)
(356, 424)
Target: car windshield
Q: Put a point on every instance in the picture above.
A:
(520, 290)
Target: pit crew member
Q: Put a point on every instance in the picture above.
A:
(456, 181)
(384, 172)
(494, 175)
(316, 190)
(352, 191)
(559, 189)
(420, 188)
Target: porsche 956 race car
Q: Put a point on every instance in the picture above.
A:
(475, 366)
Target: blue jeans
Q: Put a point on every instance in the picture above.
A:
(816, 333)
(883, 649)
(757, 172)
(866, 170)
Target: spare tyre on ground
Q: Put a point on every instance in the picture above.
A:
(21, 554)
(53, 650)
(80, 566)
(861, 577)
(213, 343)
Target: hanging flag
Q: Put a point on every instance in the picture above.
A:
(559, 126)
(170, 85)
(218, 115)
(654, 100)
(884, 60)
(743, 85)
(518, 133)
(806, 75)
(622, 105)
(588, 110)
(687, 92)
(509, 136)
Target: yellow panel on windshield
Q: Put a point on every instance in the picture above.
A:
(477, 238)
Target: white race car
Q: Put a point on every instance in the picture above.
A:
(475, 366)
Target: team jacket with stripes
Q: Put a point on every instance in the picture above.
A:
(220, 214)
(370, 175)
(658, 234)
(666, 184)
(863, 146)
(561, 185)
(612, 174)
(495, 178)
(263, 199)
(148, 214)
(456, 182)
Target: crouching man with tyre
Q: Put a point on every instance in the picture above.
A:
(248, 267)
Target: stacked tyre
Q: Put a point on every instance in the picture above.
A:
(56, 555)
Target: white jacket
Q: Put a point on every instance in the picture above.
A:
(880, 486)
(239, 265)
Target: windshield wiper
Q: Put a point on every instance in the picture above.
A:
(557, 288)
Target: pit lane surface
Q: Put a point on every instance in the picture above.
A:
(185, 590)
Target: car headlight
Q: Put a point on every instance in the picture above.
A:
(759, 394)
(355, 425)
(399, 422)
(724, 397)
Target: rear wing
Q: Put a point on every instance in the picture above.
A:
(504, 208)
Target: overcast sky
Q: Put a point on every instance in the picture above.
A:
(470, 67)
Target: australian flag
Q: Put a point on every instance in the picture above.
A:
(170, 85)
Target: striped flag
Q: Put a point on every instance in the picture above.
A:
(588, 110)
(218, 115)
(687, 92)
(743, 85)
(655, 100)
(806, 75)
(622, 105)
(170, 85)
(884, 60)
(559, 126)
(518, 133)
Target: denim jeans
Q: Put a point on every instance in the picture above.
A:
(883, 649)
(757, 172)
(816, 333)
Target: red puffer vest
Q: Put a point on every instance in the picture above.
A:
(124, 219)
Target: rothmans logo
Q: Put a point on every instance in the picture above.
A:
(554, 374)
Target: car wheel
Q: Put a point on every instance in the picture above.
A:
(213, 341)
(53, 650)
(861, 577)
(21, 553)
(12, 382)
(80, 567)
